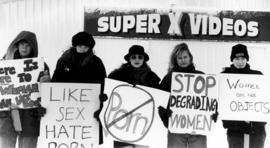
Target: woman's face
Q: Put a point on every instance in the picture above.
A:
(82, 48)
(183, 59)
(24, 49)
(240, 62)
(136, 60)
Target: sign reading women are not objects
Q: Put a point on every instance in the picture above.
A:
(244, 97)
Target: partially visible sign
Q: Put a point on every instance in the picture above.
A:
(130, 114)
(244, 97)
(178, 24)
(19, 86)
(69, 121)
(193, 100)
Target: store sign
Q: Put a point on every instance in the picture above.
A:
(178, 24)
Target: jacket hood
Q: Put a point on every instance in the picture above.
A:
(28, 36)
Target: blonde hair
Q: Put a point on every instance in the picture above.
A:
(178, 49)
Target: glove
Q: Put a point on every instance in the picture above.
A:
(214, 116)
(103, 97)
(164, 114)
(96, 114)
(45, 76)
(41, 111)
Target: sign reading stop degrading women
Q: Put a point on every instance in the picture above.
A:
(244, 97)
(69, 121)
(130, 114)
(193, 100)
(19, 86)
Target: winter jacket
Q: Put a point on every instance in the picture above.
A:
(30, 120)
(76, 67)
(166, 85)
(242, 126)
(142, 76)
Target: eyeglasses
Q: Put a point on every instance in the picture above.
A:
(140, 57)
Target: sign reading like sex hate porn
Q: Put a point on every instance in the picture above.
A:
(193, 100)
(69, 121)
(19, 84)
(244, 97)
(130, 114)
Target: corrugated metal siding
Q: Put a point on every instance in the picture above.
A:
(55, 21)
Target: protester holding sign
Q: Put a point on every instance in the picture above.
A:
(136, 70)
(78, 64)
(237, 129)
(181, 60)
(23, 46)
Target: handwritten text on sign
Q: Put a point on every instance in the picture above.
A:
(19, 83)
(193, 100)
(244, 97)
(129, 118)
(69, 120)
(130, 114)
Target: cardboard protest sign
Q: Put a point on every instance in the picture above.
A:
(69, 120)
(244, 97)
(193, 100)
(130, 115)
(19, 84)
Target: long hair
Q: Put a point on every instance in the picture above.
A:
(178, 49)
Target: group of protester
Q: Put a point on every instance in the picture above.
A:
(79, 64)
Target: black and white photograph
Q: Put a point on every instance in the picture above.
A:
(134, 74)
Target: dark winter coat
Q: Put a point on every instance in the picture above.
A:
(76, 67)
(167, 80)
(141, 76)
(30, 120)
(166, 86)
(241, 126)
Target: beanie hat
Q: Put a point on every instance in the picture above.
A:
(83, 38)
(136, 49)
(239, 50)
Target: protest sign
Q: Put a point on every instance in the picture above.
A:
(193, 100)
(69, 121)
(130, 115)
(244, 97)
(19, 84)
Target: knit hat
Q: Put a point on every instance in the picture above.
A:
(239, 50)
(83, 38)
(136, 49)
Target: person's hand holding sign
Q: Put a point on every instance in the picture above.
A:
(45, 76)
(164, 115)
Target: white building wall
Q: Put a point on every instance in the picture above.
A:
(56, 21)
